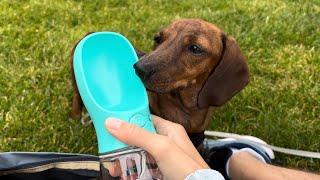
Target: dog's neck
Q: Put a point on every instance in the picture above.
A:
(181, 107)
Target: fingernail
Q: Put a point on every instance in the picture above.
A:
(113, 123)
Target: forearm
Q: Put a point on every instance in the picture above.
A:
(245, 166)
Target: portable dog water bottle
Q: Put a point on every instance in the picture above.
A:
(103, 66)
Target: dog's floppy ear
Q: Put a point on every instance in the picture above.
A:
(229, 77)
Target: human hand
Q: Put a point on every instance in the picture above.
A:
(171, 148)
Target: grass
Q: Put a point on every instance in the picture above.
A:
(279, 38)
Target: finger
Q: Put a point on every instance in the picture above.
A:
(132, 134)
(162, 126)
(114, 169)
(177, 133)
(131, 170)
(168, 128)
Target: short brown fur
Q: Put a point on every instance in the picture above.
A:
(183, 87)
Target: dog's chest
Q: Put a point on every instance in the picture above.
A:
(171, 108)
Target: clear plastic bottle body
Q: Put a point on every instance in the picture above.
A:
(129, 164)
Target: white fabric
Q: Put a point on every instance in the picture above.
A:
(262, 144)
(201, 174)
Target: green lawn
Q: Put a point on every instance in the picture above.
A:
(281, 40)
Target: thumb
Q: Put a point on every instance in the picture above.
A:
(130, 134)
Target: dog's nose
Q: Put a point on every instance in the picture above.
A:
(143, 72)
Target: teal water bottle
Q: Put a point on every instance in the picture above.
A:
(103, 66)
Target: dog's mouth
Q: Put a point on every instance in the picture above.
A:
(168, 86)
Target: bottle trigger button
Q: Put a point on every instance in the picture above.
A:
(139, 120)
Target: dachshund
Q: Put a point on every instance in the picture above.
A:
(193, 68)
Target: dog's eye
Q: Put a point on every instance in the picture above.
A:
(195, 49)
(157, 39)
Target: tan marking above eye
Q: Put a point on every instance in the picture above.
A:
(203, 42)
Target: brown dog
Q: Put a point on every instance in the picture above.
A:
(193, 67)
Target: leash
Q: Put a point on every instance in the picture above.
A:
(85, 120)
(295, 152)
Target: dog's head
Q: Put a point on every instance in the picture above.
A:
(195, 52)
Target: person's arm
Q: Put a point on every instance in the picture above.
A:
(244, 166)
